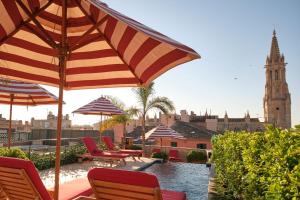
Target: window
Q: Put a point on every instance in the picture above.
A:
(173, 144)
(201, 146)
(270, 75)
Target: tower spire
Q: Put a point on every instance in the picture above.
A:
(275, 52)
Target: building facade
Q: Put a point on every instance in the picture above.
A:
(51, 122)
(277, 99)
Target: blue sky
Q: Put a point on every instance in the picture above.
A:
(233, 37)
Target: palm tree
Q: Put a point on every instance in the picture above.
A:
(147, 102)
(119, 119)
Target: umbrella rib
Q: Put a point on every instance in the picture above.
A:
(25, 22)
(33, 102)
(105, 38)
(37, 23)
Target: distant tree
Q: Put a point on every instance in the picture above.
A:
(297, 126)
(146, 102)
(119, 119)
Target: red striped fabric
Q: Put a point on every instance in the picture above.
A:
(120, 52)
(100, 106)
(26, 94)
(163, 131)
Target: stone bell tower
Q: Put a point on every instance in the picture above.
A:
(277, 99)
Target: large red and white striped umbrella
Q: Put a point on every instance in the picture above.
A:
(104, 48)
(24, 94)
(100, 106)
(162, 131)
(78, 44)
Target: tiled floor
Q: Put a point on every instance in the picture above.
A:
(80, 170)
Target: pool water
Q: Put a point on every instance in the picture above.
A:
(189, 178)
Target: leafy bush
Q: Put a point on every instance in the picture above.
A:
(47, 161)
(261, 165)
(135, 147)
(161, 155)
(196, 156)
(13, 152)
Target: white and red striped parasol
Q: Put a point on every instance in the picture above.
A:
(100, 106)
(24, 94)
(104, 48)
(162, 131)
(75, 44)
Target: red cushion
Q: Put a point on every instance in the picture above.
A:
(131, 152)
(125, 177)
(110, 154)
(75, 188)
(173, 153)
(91, 145)
(156, 151)
(173, 195)
(108, 142)
(32, 173)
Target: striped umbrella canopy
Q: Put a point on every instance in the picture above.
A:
(24, 94)
(100, 106)
(74, 44)
(162, 131)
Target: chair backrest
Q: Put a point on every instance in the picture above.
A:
(91, 145)
(20, 180)
(120, 184)
(173, 153)
(156, 151)
(108, 142)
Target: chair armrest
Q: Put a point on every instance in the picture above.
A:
(84, 198)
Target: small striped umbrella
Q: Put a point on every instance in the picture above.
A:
(75, 44)
(162, 131)
(24, 94)
(100, 106)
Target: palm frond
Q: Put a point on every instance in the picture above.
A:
(163, 104)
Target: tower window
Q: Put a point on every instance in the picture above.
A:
(270, 75)
(277, 108)
(276, 75)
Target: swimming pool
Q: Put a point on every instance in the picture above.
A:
(186, 177)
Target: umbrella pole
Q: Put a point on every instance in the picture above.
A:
(100, 124)
(10, 116)
(62, 66)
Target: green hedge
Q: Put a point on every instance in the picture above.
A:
(47, 160)
(261, 165)
(196, 156)
(13, 152)
(161, 155)
(135, 147)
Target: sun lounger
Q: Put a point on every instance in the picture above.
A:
(110, 146)
(156, 151)
(174, 156)
(19, 179)
(128, 185)
(94, 152)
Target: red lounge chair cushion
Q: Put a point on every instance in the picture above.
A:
(173, 155)
(32, 173)
(75, 188)
(108, 142)
(124, 177)
(131, 152)
(111, 154)
(133, 178)
(91, 146)
(156, 151)
(173, 195)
